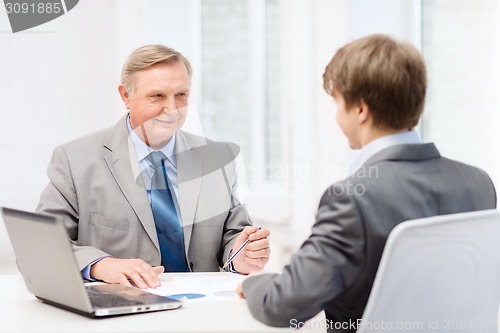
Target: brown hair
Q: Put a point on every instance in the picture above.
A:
(148, 56)
(389, 76)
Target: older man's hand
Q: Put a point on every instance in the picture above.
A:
(255, 254)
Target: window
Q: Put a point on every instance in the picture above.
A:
(461, 44)
(240, 85)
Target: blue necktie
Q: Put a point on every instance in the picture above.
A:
(168, 227)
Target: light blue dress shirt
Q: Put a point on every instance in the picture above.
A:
(142, 150)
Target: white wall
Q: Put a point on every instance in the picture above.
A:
(462, 49)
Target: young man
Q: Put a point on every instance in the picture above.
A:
(144, 193)
(379, 87)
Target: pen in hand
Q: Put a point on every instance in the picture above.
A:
(231, 258)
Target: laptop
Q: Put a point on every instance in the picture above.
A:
(46, 261)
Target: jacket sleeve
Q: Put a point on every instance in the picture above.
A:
(59, 198)
(329, 261)
(237, 217)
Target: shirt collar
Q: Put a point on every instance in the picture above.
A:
(377, 145)
(142, 149)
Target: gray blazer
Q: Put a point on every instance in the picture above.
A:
(96, 189)
(335, 268)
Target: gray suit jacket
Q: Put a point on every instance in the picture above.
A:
(96, 189)
(335, 268)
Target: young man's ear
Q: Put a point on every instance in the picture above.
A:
(364, 112)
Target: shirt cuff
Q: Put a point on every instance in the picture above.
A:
(86, 270)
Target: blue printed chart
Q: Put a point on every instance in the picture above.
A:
(198, 287)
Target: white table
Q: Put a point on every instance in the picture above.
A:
(22, 312)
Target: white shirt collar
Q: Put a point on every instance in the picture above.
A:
(142, 149)
(377, 145)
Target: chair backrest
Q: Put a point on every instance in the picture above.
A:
(438, 274)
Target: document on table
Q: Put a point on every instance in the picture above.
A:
(198, 286)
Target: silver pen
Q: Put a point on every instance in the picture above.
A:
(237, 251)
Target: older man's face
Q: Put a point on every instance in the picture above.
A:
(159, 102)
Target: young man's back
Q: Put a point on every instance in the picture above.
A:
(400, 183)
(379, 87)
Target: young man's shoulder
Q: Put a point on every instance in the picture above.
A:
(394, 175)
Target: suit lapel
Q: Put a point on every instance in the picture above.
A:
(122, 163)
(189, 174)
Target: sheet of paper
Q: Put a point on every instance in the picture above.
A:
(198, 286)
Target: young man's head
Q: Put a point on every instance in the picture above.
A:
(379, 85)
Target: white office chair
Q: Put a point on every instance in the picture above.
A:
(438, 274)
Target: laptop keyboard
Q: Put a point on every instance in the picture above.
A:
(102, 300)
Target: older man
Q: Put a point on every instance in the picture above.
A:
(144, 193)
